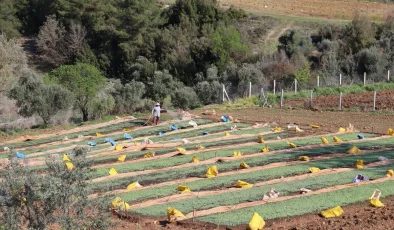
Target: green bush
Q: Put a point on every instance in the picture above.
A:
(185, 98)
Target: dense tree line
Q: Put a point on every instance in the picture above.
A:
(147, 51)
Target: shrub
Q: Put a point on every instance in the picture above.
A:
(128, 97)
(209, 92)
(185, 98)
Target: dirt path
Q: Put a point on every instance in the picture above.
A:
(275, 33)
(221, 209)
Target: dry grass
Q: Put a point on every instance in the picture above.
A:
(325, 9)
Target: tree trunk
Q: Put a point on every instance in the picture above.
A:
(85, 115)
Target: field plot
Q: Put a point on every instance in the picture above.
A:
(220, 173)
(343, 9)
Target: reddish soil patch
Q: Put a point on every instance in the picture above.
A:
(362, 101)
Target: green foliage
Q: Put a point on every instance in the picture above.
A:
(57, 195)
(360, 33)
(128, 97)
(209, 92)
(185, 98)
(372, 62)
(9, 23)
(303, 74)
(83, 80)
(292, 42)
(33, 97)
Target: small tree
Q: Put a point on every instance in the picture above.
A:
(33, 97)
(83, 80)
(185, 98)
(57, 195)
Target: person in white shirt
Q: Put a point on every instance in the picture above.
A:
(156, 113)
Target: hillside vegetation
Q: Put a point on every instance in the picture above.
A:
(117, 57)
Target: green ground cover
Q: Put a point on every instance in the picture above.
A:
(199, 171)
(300, 206)
(255, 194)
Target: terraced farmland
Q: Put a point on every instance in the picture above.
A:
(171, 167)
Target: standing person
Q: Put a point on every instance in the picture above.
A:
(156, 113)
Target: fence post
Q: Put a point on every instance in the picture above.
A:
(365, 78)
(374, 100)
(340, 100)
(250, 89)
(295, 85)
(261, 96)
(223, 93)
(318, 81)
(281, 99)
(274, 86)
(310, 102)
(340, 79)
(388, 75)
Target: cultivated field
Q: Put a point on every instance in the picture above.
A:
(169, 177)
(325, 9)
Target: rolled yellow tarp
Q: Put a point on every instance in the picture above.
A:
(133, 186)
(65, 157)
(261, 139)
(181, 150)
(390, 173)
(212, 172)
(226, 134)
(376, 203)
(256, 222)
(199, 147)
(195, 159)
(243, 165)
(183, 189)
(118, 147)
(360, 164)
(174, 215)
(122, 158)
(337, 140)
(276, 129)
(341, 130)
(243, 184)
(314, 170)
(237, 154)
(303, 158)
(390, 132)
(69, 165)
(265, 149)
(112, 171)
(333, 212)
(149, 154)
(99, 135)
(292, 145)
(315, 126)
(354, 150)
(324, 140)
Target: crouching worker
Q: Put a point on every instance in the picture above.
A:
(156, 113)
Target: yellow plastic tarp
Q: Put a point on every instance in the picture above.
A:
(126, 130)
(134, 186)
(265, 149)
(183, 189)
(256, 222)
(199, 147)
(195, 159)
(298, 130)
(181, 150)
(243, 184)
(390, 132)
(149, 154)
(69, 165)
(226, 134)
(324, 140)
(360, 164)
(123, 206)
(376, 203)
(118, 147)
(341, 130)
(112, 171)
(276, 129)
(314, 169)
(116, 201)
(212, 172)
(304, 158)
(122, 158)
(315, 126)
(237, 154)
(333, 212)
(337, 140)
(390, 173)
(354, 150)
(243, 165)
(99, 135)
(261, 139)
(174, 215)
(292, 145)
(65, 157)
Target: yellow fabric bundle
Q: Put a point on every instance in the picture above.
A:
(149, 154)
(390, 173)
(112, 171)
(354, 150)
(181, 150)
(118, 147)
(265, 149)
(212, 172)
(237, 154)
(65, 157)
(341, 130)
(256, 222)
(195, 159)
(390, 132)
(333, 212)
(360, 164)
(314, 169)
(118, 203)
(183, 189)
(324, 140)
(261, 139)
(337, 140)
(126, 130)
(134, 186)
(69, 165)
(315, 126)
(243, 184)
(292, 145)
(304, 158)
(122, 158)
(199, 147)
(226, 134)
(276, 129)
(174, 215)
(99, 135)
(376, 203)
(243, 165)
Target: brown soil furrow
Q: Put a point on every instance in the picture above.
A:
(214, 160)
(221, 209)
